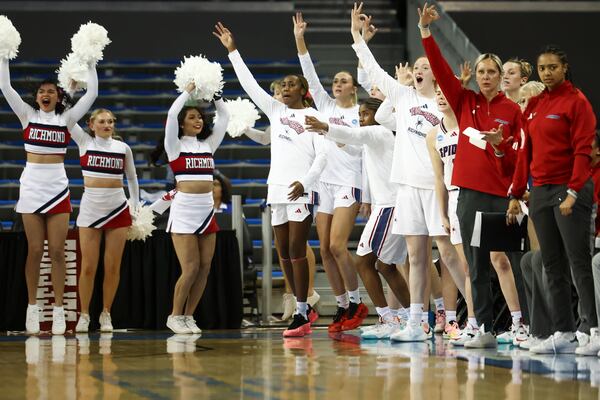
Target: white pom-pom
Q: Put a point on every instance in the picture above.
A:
(10, 39)
(89, 42)
(72, 70)
(142, 225)
(206, 75)
(242, 115)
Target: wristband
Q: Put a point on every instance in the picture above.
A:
(572, 193)
(421, 26)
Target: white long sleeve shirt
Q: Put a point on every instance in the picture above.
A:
(189, 158)
(106, 159)
(296, 153)
(260, 137)
(47, 132)
(362, 78)
(378, 145)
(386, 115)
(415, 116)
(343, 168)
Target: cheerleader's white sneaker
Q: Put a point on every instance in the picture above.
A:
(190, 322)
(83, 324)
(32, 320)
(59, 325)
(105, 322)
(177, 324)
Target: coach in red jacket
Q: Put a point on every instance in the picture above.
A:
(482, 168)
(559, 130)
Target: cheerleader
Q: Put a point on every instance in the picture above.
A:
(339, 188)
(297, 159)
(190, 145)
(44, 188)
(378, 248)
(481, 169)
(416, 214)
(103, 210)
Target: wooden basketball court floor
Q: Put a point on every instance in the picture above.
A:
(260, 364)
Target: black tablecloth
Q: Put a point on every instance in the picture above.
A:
(149, 271)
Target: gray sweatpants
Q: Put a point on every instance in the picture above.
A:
(564, 242)
(536, 287)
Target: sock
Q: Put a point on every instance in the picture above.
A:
(416, 311)
(516, 318)
(384, 312)
(302, 308)
(342, 300)
(473, 322)
(439, 304)
(354, 295)
(450, 315)
(403, 313)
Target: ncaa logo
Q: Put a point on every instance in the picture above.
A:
(440, 137)
(354, 121)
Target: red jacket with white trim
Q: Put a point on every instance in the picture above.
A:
(559, 130)
(475, 168)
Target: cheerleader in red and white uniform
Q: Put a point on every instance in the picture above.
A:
(297, 159)
(103, 210)
(190, 145)
(44, 187)
(339, 188)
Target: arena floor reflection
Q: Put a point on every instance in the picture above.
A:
(260, 364)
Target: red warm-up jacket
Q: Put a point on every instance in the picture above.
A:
(475, 168)
(559, 128)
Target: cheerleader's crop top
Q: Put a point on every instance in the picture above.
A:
(192, 159)
(47, 132)
(106, 159)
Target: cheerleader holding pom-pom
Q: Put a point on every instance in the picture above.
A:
(104, 210)
(44, 187)
(190, 144)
